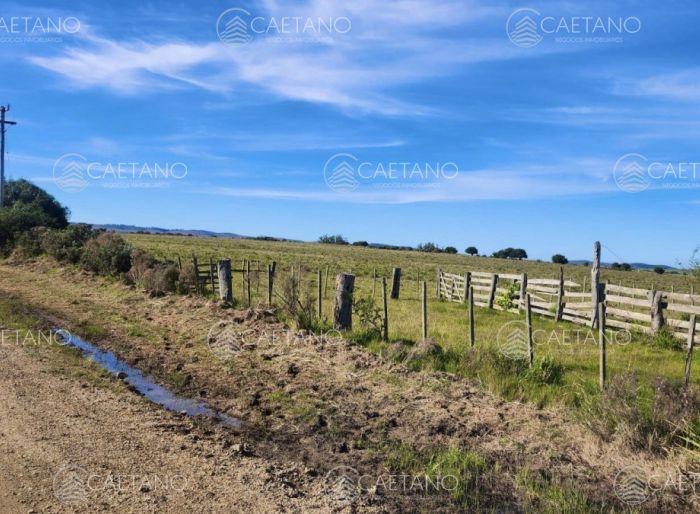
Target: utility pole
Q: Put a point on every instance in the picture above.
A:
(3, 122)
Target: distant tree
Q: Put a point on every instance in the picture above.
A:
(428, 247)
(510, 253)
(360, 243)
(625, 267)
(332, 240)
(615, 265)
(450, 249)
(559, 259)
(471, 250)
(660, 270)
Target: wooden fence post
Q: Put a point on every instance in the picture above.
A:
(225, 280)
(247, 275)
(437, 283)
(385, 331)
(243, 279)
(195, 264)
(689, 355)
(418, 283)
(560, 295)
(523, 291)
(211, 275)
(595, 284)
(344, 286)
(528, 324)
(492, 291)
(179, 263)
(471, 317)
(395, 283)
(467, 285)
(424, 297)
(374, 281)
(325, 283)
(320, 295)
(657, 313)
(269, 284)
(602, 378)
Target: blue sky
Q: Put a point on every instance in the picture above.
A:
(534, 131)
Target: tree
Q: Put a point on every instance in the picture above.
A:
(332, 240)
(559, 259)
(450, 249)
(26, 207)
(660, 270)
(360, 243)
(510, 253)
(471, 250)
(428, 247)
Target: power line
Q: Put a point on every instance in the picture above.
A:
(3, 122)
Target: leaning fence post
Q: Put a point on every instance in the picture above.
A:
(385, 331)
(560, 295)
(395, 283)
(528, 324)
(344, 286)
(269, 284)
(601, 344)
(595, 284)
(424, 297)
(225, 280)
(689, 355)
(492, 291)
(471, 316)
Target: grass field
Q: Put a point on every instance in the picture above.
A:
(571, 347)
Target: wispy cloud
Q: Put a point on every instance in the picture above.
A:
(355, 72)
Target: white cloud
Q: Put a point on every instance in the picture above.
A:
(356, 71)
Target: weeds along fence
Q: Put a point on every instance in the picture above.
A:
(593, 304)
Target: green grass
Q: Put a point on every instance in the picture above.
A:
(566, 361)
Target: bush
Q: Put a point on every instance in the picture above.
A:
(506, 300)
(659, 270)
(67, 245)
(107, 254)
(29, 243)
(450, 249)
(26, 207)
(161, 279)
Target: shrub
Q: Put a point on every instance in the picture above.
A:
(546, 371)
(450, 249)
(29, 243)
(369, 315)
(161, 279)
(659, 270)
(67, 245)
(506, 299)
(107, 254)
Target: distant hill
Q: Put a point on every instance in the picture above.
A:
(177, 231)
(635, 265)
